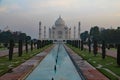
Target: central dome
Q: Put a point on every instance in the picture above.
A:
(59, 22)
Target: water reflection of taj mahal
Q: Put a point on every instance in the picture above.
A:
(59, 31)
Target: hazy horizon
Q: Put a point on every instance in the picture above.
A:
(25, 15)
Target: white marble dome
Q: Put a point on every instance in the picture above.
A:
(59, 22)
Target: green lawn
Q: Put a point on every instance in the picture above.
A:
(114, 49)
(97, 61)
(2, 49)
(5, 64)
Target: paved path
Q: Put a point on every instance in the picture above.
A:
(112, 53)
(24, 69)
(88, 70)
(19, 72)
(6, 52)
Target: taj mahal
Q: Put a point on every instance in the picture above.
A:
(59, 31)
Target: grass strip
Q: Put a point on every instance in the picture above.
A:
(99, 63)
(6, 65)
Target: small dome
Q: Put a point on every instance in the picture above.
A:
(59, 22)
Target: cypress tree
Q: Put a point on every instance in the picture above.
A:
(38, 44)
(45, 43)
(31, 45)
(81, 45)
(42, 43)
(20, 48)
(26, 46)
(51, 41)
(77, 44)
(11, 49)
(67, 41)
(95, 47)
(71, 42)
(89, 44)
(103, 50)
(118, 54)
(74, 43)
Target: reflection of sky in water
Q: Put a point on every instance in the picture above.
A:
(65, 69)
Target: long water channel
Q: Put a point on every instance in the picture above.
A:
(57, 65)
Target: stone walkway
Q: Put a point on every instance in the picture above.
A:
(6, 52)
(112, 53)
(19, 72)
(88, 70)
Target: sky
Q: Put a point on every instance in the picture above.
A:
(24, 15)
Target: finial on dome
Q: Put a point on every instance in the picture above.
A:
(59, 22)
(59, 16)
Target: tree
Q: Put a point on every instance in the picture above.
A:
(84, 35)
(5, 37)
(95, 33)
(76, 43)
(31, 45)
(22, 36)
(111, 35)
(5, 44)
(42, 43)
(26, 45)
(34, 42)
(72, 42)
(38, 44)
(20, 48)
(11, 49)
(103, 50)
(89, 44)
(118, 54)
(95, 49)
(28, 38)
(81, 45)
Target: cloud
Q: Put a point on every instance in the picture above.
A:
(58, 3)
(38, 4)
(117, 15)
(31, 11)
(3, 9)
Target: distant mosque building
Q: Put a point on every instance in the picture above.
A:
(59, 31)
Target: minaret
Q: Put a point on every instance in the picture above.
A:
(78, 30)
(44, 32)
(74, 32)
(40, 30)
